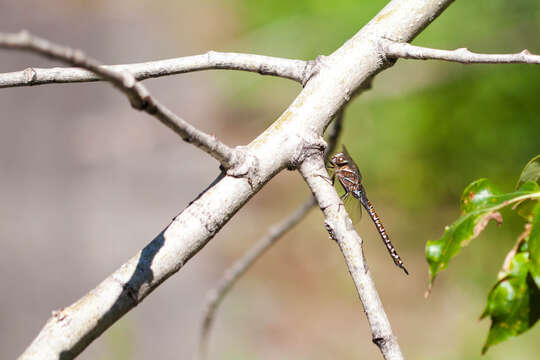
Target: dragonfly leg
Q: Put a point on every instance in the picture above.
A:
(330, 180)
(380, 228)
(342, 198)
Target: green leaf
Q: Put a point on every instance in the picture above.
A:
(514, 302)
(531, 172)
(479, 194)
(525, 207)
(531, 175)
(480, 203)
(534, 244)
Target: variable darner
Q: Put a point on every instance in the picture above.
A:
(350, 178)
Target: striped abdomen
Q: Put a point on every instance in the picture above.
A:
(380, 228)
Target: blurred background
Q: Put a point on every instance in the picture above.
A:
(85, 181)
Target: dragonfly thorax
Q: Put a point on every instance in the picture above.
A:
(339, 159)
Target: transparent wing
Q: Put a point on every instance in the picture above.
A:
(354, 208)
(352, 164)
(352, 205)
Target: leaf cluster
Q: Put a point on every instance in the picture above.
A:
(513, 303)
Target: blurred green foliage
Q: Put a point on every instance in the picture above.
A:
(431, 143)
(428, 143)
(312, 27)
(307, 27)
(426, 129)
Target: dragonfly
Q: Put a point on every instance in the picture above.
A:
(350, 178)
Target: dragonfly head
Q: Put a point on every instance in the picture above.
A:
(339, 159)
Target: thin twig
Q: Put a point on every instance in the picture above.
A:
(340, 228)
(265, 65)
(139, 97)
(462, 55)
(233, 273)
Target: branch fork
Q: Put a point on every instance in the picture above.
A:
(244, 164)
(307, 147)
(311, 69)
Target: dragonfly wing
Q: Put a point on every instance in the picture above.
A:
(353, 207)
(351, 204)
(352, 164)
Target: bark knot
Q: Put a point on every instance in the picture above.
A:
(305, 149)
(244, 164)
(379, 341)
(30, 75)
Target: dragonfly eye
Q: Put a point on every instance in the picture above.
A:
(341, 160)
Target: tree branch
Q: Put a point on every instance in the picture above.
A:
(239, 268)
(395, 49)
(139, 97)
(334, 133)
(232, 274)
(292, 137)
(296, 70)
(341, 229)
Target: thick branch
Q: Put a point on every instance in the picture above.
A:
(334, 133)
(296, 70)
(464, 56)
(139, 97)
(232, 274)
(293, 135)
(341, 229)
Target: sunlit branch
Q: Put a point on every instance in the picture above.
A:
(462, 55)
(340, 228)
(296, 70)
(139, 97)
(241, 266)
(334, 132)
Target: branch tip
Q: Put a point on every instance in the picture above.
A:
(266, 65)
(139, 97)
(460, 55)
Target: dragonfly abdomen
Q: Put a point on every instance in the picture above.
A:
(384, 235)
